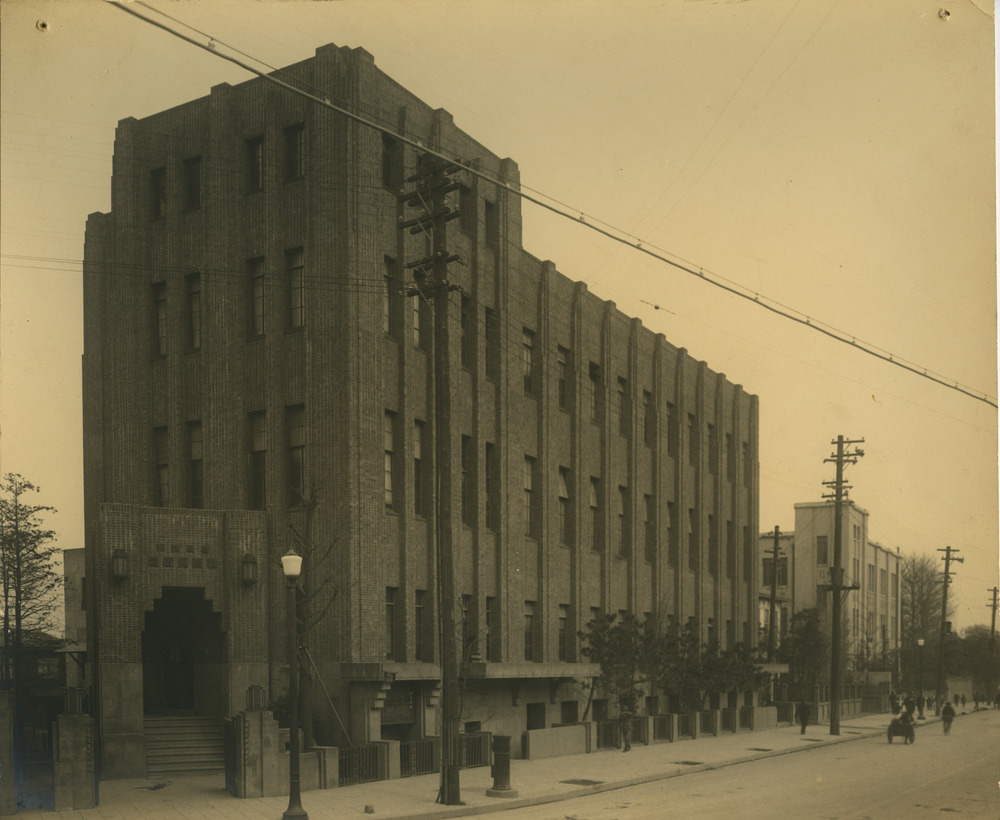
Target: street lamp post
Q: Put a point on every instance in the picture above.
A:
(291, 565)
(920, 679)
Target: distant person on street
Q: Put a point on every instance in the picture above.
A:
(920, 705)
(956, 700)
(963, 703)
(947, 716)
(626, 724)
(802, 715)
(909, 704)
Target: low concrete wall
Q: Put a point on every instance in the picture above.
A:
(765, 717)
(73, 767)
(554, 742)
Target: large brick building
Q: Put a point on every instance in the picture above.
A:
(251, 353)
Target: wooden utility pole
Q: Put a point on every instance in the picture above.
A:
(990, 679)
(771, 632)
(948, 558)
(836, 586)
(433, 185)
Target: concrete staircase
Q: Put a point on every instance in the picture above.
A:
(183, 745)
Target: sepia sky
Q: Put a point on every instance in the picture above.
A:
(837, 157)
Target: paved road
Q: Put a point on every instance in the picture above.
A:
(864, 780)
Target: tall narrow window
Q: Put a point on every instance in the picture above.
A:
(596, 536)
(192, 183)
(392, 163)
(693, 551)
(492, 217)
(388, 422)
(492, 329)
(713, 449)
(295, 152)
(624, 409)
(492, 487)
(528, 473)
(258, 460)
(563, 366)
(595, 393)
(193, 283)
(255, 278)
(529, 631)
(195, 465)
(296, 426)
(528, 360)
(747, 554)
(417, 310)
(747, 465)
(296, 295)
(419, 473)
(255, 165)
(419, 625)
(160, 318)
(467, 215)
(468, 327)
(692, 431)
(648, 419)
(391, 626)
(713, 546)
(672, 550)
(158, 193)
(468, 482)
(563, 632)
(492, 630)
(161, 465)
(649, 525)
(671, 419)
(730, 549)
(565, 509)
(624, 527)
(730, 458)
(822, 551)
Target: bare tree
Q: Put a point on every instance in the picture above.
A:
(921, 592)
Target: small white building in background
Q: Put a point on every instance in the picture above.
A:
(871, 610)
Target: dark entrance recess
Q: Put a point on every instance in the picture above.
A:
(181, 641)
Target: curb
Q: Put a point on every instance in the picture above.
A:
(542, 799)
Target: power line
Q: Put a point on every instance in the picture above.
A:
(603, 228)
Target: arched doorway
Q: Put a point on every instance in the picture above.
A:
(183, 649)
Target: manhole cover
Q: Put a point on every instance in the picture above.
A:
(755, 749)
(579, 782)
(688, 762)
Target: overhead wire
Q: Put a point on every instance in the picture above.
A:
(598, 226)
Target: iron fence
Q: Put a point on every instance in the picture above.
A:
(663, 727)
(358, 764)
(607, 734)
(746, 717)
(728, 718)
(708, 723)
(474, 750)
(640, 730)
(417, 757)
(685, 724)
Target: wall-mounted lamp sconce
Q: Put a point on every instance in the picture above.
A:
(248, 569)
(119, 565)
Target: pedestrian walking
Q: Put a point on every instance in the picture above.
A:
(626, 727)
(920, 705)
(802, 715)
(947, 716)
(963, 703)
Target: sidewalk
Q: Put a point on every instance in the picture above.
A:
(536, 781)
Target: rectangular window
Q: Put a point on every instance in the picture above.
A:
(491, 322)
(419, 473)
(468, 328)
(254, 165)
(392, 163)
(692, 433)
(564, 632)
(492, 487)
(693, 551)
(195, 465)
(530, 516)
(882, 582)
(192, 183)
(492, 630)
(649, 527)
(730, 550)
(596, 534)
(468, 482)
(296, 294)
(730, 458)
(624, 527)
(713, 449)
(388, 422)
(391, 627)
(467, 216)
(528, 360)
(258, 460)
(822, 552)
(748, 554)
(295, 419)
(193, 285)
(672, 550)
(161, 464)
(565, 509)
(492, 216)
(295, 152)
(648, 419)
(158, 193)
(419, 625)
(624, 409)
(418, 311)
(713, 546)
(596, 387)
(160, 318)
(671, 412)
(255, 277)
(563, 367)
(767, 578)
(529, 631)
